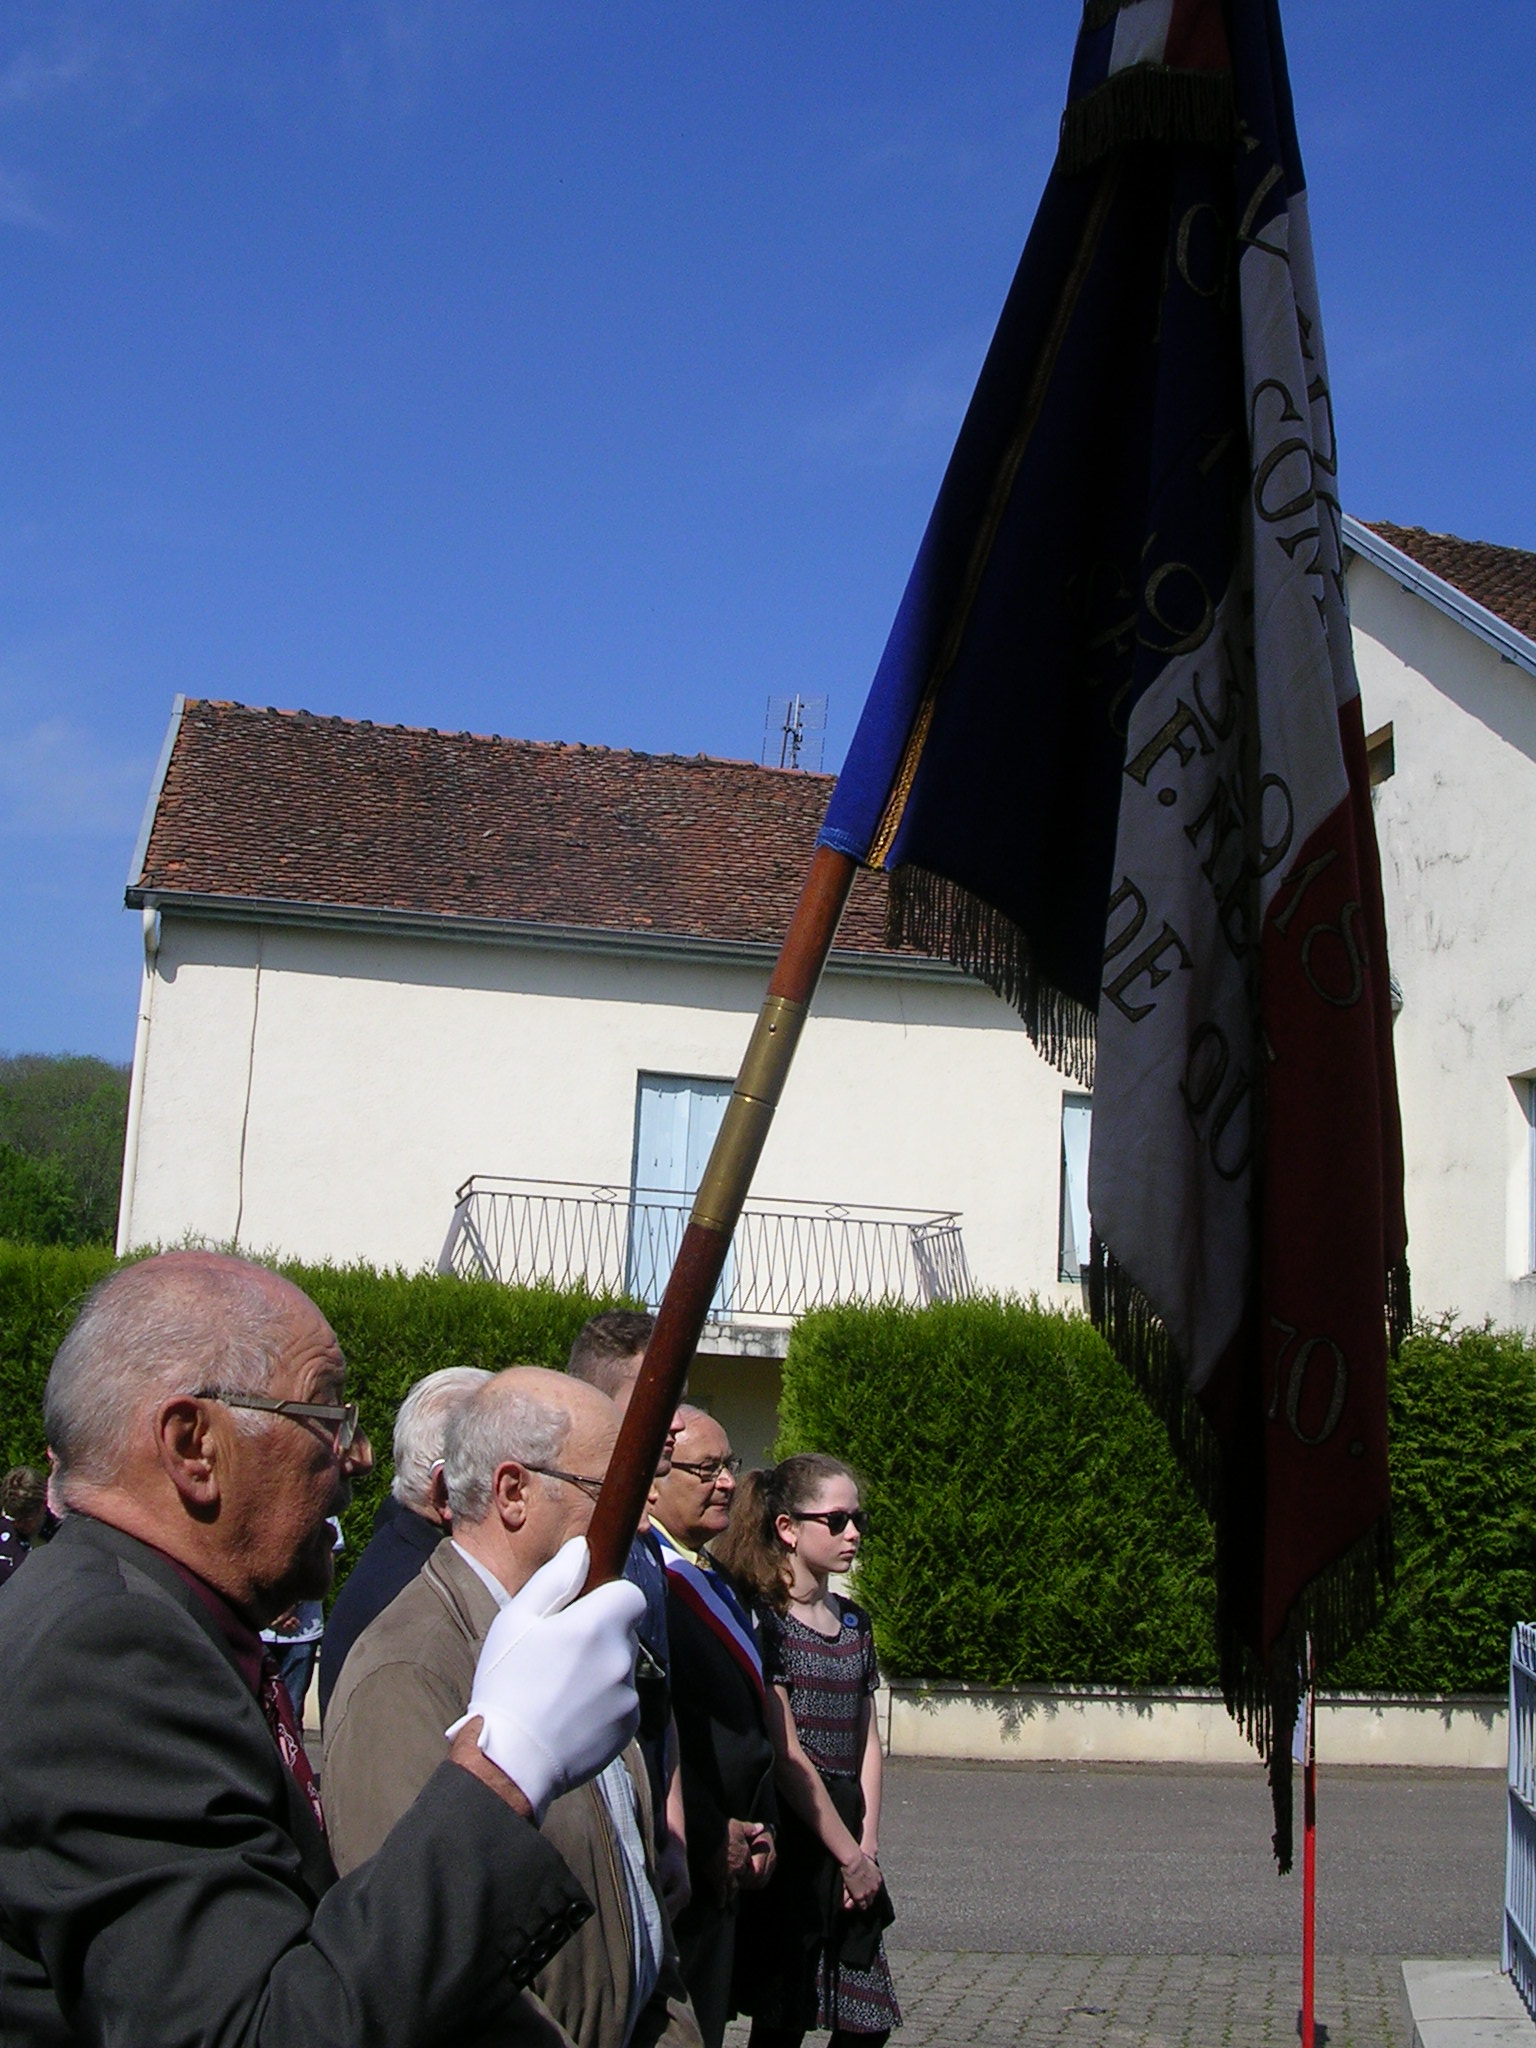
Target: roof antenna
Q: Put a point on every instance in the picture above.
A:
(794, 732)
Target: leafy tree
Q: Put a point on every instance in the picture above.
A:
(69, 1112)
(39, 1203)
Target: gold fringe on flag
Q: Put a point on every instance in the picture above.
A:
(1099, 13)
(1148, 103)
(1340, 1606)
(941, 919)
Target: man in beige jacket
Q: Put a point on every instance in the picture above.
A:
(523, 1462)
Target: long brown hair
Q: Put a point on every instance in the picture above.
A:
(750, 1548)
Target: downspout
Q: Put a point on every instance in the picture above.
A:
(136, 1080)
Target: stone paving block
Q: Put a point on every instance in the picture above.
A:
(976, 2000)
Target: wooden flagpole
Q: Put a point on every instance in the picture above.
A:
(707, 1240)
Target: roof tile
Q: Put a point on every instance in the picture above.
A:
(1502, 580)
(285, 806)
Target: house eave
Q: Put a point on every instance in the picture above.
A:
(157, 783)
(1506, 640)
(514, 932)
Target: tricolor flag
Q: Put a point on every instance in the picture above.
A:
(1113, 759)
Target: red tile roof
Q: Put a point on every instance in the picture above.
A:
(1502, 580)
(282, 806)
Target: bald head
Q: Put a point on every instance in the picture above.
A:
(165, 1326)
(693, 1502)
(524, 1416)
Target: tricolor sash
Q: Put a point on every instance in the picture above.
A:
(709, 1595)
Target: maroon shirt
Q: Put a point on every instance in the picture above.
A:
(258, 1667)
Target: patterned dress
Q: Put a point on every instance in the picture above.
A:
(828, 1681)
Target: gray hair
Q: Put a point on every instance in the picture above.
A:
(421, 1425)
(166, 1326)
(494, 1427)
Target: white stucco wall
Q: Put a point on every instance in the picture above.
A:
(1457, 827)
(333, 1113)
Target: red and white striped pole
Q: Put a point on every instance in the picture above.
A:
(1309, 1861)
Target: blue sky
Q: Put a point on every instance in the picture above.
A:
(587, 371)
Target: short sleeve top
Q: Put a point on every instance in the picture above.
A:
(828, 1679)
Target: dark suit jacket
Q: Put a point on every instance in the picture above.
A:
(400, 1545)
(162, 1881)
(725, 1754)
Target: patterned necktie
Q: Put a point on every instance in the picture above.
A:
(278, 1708)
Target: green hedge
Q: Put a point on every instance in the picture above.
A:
(1030, 1524)
(393, 1327)
(41, 1287)
(1463, 1452)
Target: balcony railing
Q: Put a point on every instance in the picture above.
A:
(786, 1257)
(1519, 1957)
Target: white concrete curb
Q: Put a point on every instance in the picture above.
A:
(1465, 2005)
(1179, 1724)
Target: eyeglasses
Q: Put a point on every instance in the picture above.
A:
(342, 1420)
(708, 1470)
(837, 1519)
(590, 1487)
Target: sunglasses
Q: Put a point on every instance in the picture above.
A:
(837, 1520)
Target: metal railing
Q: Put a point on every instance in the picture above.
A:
(1520, 1853)
(786, 1256)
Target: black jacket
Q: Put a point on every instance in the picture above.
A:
(162, 1881)
(725, 1753)
(400, 1545)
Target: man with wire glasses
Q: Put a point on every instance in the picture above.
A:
(523, 1463)
(717, 1686)
(164, 1870)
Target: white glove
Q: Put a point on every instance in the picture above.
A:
(555, 1684)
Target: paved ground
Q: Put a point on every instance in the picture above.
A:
(1138, 1859)
(1092, 1905)
(1135, 2001)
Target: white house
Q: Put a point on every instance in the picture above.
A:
(413, 996)
(1447, 659)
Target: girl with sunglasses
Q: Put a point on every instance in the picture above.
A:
(809, 1952)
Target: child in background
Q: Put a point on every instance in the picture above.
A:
(809, 1952)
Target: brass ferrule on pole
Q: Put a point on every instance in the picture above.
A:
(706, 1242)
(744, 1128)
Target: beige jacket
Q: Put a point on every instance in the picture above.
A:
(405, 1679)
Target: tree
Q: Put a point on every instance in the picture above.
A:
(39, 1203)
(67, 1112)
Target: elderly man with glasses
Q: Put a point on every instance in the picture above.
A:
(523, 1462)
(164, 1869)
(412, 1519)
(717, 1687)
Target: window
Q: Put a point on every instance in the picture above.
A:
(676, 1119)
(1381, 754)
(1076, 1125)
(1530, 1176)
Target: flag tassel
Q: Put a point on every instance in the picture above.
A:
(1144, 103)
(1399, 1304)
(1335, 1609)
(947, 922)
(707, 1240)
